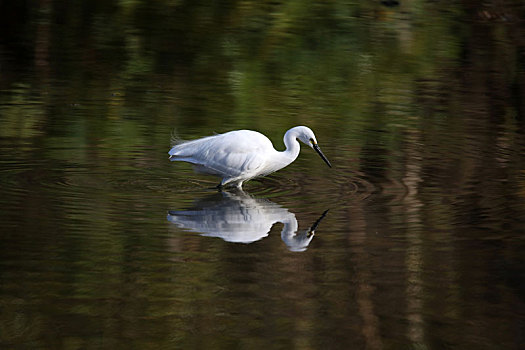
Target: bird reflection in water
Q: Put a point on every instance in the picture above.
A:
(240, 218)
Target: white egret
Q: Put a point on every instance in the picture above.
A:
(241, 155)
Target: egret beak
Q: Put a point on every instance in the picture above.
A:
(318, 150)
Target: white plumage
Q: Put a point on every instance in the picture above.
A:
(241, 155)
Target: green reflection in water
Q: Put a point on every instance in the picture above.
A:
(419, 107)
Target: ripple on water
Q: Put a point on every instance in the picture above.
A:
(299, 190)
(80, 185)
(19, 177)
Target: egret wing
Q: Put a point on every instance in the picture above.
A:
(232, 154)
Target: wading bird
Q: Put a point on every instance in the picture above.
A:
(241, 155)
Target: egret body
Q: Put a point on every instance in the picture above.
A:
(241, 155)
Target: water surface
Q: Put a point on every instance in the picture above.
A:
(418, 105)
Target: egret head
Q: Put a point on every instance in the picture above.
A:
(306, 136)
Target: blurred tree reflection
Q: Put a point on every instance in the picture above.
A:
(423, 99)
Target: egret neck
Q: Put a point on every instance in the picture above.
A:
(292, 147)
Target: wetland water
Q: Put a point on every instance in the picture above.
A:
(106, 244)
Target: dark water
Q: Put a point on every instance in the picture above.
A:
(418, 105)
